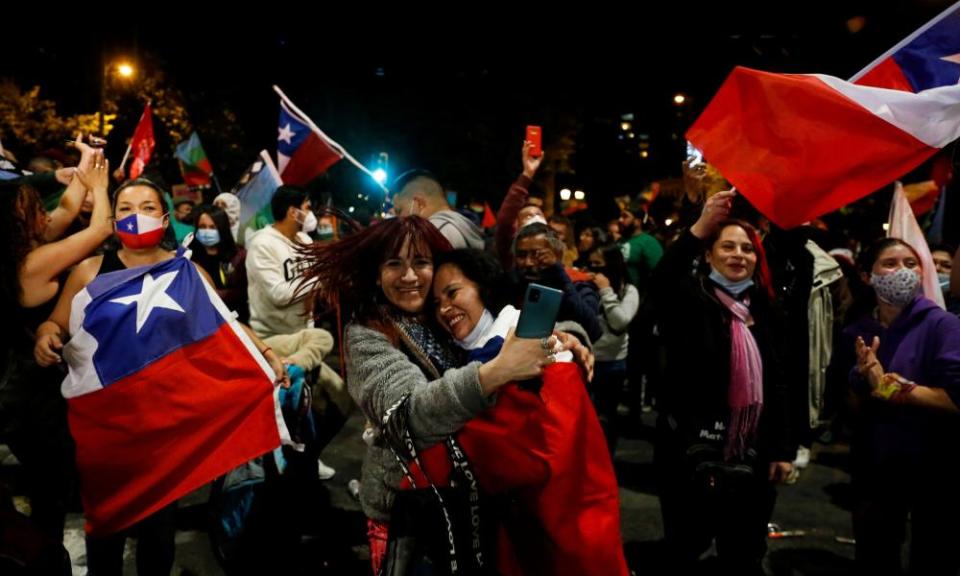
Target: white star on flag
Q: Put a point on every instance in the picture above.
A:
(153, 294)
(286, 134)
(955, 58)
(129, 225)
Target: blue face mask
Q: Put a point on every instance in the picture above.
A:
(735, 288)
(208, 236)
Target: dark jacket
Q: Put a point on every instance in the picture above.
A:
(695, 327)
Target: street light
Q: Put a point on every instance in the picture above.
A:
(124, 70)
(579, 195)
(565, 194)
(679, 99)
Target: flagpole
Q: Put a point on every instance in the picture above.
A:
(904, 42)
(216, 181)
(328, 139)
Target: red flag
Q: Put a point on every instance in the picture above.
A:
(546, 451)
(142, 143)
(489, 218)
(799, 145)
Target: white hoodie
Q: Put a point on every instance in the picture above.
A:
(273, 276)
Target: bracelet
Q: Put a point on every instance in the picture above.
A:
(265, 350)
(895, 388)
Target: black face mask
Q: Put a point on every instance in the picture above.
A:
(597, 268)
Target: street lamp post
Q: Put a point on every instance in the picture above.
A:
(124, 70)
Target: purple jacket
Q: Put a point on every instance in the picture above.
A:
(923, 345)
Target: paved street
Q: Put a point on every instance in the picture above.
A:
(334, 525)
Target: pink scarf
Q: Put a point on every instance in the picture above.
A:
(745, 395)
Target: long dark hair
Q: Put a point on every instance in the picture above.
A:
(484, 270)
(616, 268)
(346, 271)
(761, 273)
(227, 248)
(869, 257)
(19, 205)
(864, 296)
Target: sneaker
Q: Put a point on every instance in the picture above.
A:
(323, 471)
(803, 457)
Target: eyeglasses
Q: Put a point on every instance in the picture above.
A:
(537, 254)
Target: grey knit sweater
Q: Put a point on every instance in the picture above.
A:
(378, 376)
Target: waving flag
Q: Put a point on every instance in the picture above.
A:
(255, 189)
(165, 391)
(194, 165)
(798, 146)
(142, 143)
(928, 58)
(302, 153)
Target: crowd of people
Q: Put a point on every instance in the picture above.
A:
(489, 453)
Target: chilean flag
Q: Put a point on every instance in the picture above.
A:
(165, 391)
(799, 146)
(303, 151)
(928, 58)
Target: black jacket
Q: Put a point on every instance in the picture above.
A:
(695, 330)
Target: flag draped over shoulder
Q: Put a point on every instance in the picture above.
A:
(165, 391)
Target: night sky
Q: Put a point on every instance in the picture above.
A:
(455, 97)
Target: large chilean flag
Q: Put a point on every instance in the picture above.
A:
(798, 146)
(165, 391)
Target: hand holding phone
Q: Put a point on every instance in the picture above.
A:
(541, 305)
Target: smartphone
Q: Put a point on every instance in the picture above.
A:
(539, 314)
(694, 156)
(534, 136)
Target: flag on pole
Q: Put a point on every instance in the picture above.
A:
(302, 153)
(255, 190)
(165, 391)
(320, 149)
(142, 143)
(902, 224)
(194, 165)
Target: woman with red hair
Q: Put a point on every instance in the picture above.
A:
(722, 438)
(414, 389)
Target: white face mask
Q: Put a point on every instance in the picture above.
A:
(309, 223)
(897, 288)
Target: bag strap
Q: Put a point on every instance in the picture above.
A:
(461, 467)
